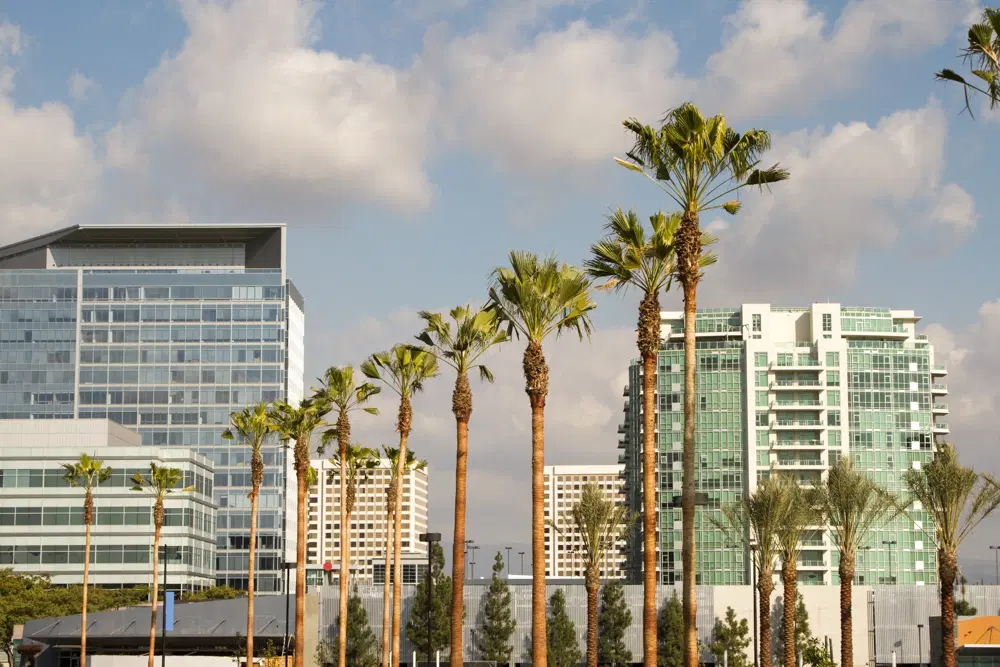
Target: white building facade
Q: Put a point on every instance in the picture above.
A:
(563, 546)
(41, 516)
(369, 529)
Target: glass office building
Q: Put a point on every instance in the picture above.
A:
(789, 391)
(165, 329)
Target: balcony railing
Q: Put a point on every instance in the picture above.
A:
(941, 407)
(792, 384)
(799, 443)
(796, 404)
(798, 463)
(939, 388)
(940, 426)
(797, 422)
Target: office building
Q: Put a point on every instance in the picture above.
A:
(165, 329)
(791, 390)
(369, 528)
(41, 516)
(563, 543)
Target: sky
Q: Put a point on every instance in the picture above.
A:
(410, 144)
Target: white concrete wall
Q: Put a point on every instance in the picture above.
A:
(174, 660)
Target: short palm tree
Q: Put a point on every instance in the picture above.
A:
(852, 504)
(800, 510)
(252, 425)
(391, 455)
(404, 369)
(475, 333)
(159, 483)
(297, 424)
(699, 163)
(957, 499)
(536, 297)
(87, 473)
(628, 257)
(983, 53)
(344, 395)
(358, 462)
(760, 514)
(600, 523)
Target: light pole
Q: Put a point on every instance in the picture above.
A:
(431, 539)
(465, 555)
(996, 553)
(163, 632)
(920, 644)
(521, 554)
(857, 579)
(472, 572)
(890, 544)
(508, 559)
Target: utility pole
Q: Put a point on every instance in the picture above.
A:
(521, 553)
(472, 574)
(996, 552)
(890, 544)
(163, 632)
(431, 539)
(508, 560)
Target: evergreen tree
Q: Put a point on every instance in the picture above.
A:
(613, 620)
(803, 634)
(670, 634)
(416, 627)
(362, 646)
(563, 645)
(731, 635)
(497, 619)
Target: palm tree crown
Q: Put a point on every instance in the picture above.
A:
(340, 391)
(160, 482)
(358, 462)
(599, 522)
(475, 332)
(88, 472)
(983, 53)
(404, 369)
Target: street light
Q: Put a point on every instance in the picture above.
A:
(163, 632)
(920, 644)
(521, 554)
(508, 559)
(857, 577)
(465, 562)
(472, 574)
(890, 544)
(431, 539)
(996, 552)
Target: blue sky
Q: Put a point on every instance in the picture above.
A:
(410, 145)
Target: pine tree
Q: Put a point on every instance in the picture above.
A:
(416, 627)
(732, 636)
(497, 619)
(563, 645)
(670, 634)
(803, 634)
(362, 646)
(613, 620)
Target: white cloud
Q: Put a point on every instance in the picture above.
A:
(47, 169)
(79, 86)
(248, 108)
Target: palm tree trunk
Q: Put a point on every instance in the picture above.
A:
(88, 519)
(386, 599)
(251, 565)
(345, 555)
(649, 513)
(765, 586)
(788, 574)
(949, 571)
(846, 609)
(593, 584)
(397, 551)
(302, 488)
(156, 584)
(536, 375)
(458, 546)
(688, 561)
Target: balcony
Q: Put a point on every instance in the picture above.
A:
(939, 409)
(898, 332)
(621, 429)
(796, 405)
(788, 385)
(622, 443)
(621, 459)
(800, 444)
(811, 563)
(939, 428)
(625, 392)
(799, 464)
(807, 364)
(939, 389)
(810, 424)
(938, 370)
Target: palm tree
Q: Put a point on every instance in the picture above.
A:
(298, 424)
(983, 52)
(476, 331)
(957, 499)
(698, 162)
(391, 491)
(800, 510)
(357, 463)
(537, 297)
(88, 473)
(761, 514)
(404, 369)
(160, 482)
(252, 424)
(626, 257)
(852, 504)
(341, 392)
(600, 523)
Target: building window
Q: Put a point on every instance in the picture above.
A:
(760, 359)
(761, 418)
(833, 378)
(755, 318)
(827, 322)
(833, 418)
(833, 359)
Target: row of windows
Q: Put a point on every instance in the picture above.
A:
(177, 313)
(185, 293)
(161, 417)
(101, 554)
(183, 354)
(36, 478)
(105, 516)
(175, 397)
(27, 293)
(183, 334)
(196, 375)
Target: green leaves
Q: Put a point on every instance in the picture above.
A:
(339, 391)
(460, 343)
(982, 53)
(160, 481)
(599, 522)
(87, 472)
(252, 424)
(853, 504)
(404, 368)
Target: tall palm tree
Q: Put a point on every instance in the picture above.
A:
(297, 424)
(957, 499)
(698, 162)
(391, 455)
(761, 514)
(344, 395)
(600, 523)
(87, 473)
(404, 369)
(983, 53)
(800, 510)
(475, 333)
(628, 257)
(159, 483)
(252, 424)
(852, 504)
(537, 297)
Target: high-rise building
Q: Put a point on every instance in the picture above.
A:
(165, 329)
(368, 527)
(790, 390)
(41, 516)
(563, 543)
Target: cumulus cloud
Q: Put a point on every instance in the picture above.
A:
(47, 168)
(79, 86)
